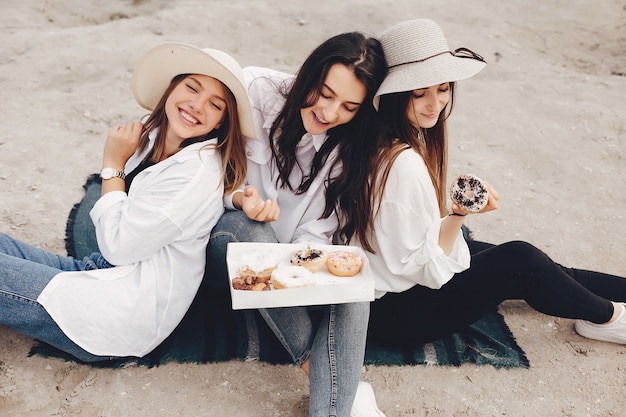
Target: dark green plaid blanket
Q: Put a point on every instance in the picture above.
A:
(213, 332)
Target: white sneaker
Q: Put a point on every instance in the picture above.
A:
(614, 332)
(365, 402)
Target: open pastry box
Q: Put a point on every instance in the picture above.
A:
(328, 288)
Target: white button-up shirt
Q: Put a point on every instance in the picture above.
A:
(157, 234)
(299, 219)
(406, 232)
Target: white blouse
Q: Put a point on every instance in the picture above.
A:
(299, 214)
(406, 232)
(157, 235)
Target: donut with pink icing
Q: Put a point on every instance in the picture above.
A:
(344, 263)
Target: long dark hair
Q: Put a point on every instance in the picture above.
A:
(230, 140)
(398, 134)
(355, 141)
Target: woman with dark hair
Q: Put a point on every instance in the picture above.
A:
(425, 271)
(162, 186)
(317, 134)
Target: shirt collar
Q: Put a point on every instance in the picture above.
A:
(318, 140)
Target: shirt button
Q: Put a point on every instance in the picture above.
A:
(249, 153)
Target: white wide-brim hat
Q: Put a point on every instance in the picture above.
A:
(155, 70)
(418, 56)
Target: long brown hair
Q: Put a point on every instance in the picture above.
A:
(230, 140)
(398, 134)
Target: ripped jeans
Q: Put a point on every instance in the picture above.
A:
(24, 272)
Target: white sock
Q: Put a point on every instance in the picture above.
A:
(619, 316)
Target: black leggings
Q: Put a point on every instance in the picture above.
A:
(511, 271)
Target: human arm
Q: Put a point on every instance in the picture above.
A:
(120, 145)
(249, 201)
(164, 201)
(262, 86)
(454, 220)
(407, 231)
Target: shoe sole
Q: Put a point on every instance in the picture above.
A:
(591, 332)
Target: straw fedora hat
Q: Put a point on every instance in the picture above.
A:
(418, 56)
(155, 70)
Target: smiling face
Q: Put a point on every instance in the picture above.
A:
(426, 104)
(339, 100)
(195, 107)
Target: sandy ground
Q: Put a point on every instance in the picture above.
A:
(544, 122)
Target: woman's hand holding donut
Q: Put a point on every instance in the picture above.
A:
(121, 144)
(458, 211)
(492, 199)
(258, 209)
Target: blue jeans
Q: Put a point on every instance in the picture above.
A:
(233, 226)
(24, 272)
(332, 337)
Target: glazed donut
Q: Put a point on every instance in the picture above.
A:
(292, 276)
(311, 259)
(469, 192)
(344, 263)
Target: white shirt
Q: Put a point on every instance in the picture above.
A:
(299, 214)
(406, 232)
(157, 234)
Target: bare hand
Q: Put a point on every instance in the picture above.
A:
(121, 144)
(258, 209)
(492, 200)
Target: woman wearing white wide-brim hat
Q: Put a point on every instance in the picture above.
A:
(162, 186)
(425, 272)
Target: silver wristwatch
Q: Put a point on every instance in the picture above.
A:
(107, 173)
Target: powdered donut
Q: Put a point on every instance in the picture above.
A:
(344, 263)
(291, 276)
(469, 192)
(259, 262)
(311, 259)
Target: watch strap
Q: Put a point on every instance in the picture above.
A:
(108, 173)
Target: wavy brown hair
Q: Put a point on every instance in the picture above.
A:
(230, 140)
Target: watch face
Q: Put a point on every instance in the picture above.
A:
(106, 173)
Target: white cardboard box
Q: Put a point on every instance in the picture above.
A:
(330, 289)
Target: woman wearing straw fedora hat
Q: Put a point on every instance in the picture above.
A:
(316, 135)
(162, 187)
(424, 269)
